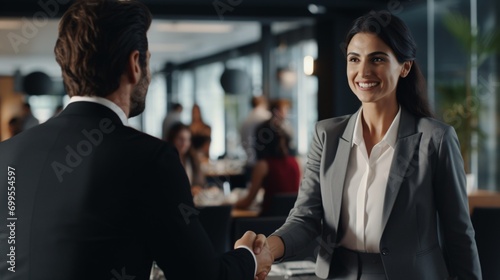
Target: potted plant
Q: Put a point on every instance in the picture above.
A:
(460, 101)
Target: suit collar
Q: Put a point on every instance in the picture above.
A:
(407, 125)
(90, 110)
(103, 101)
(406, 145)
(403, 160)
(338, 168)
(349, 129)
(390, 137)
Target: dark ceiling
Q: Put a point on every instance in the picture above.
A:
(213, 9)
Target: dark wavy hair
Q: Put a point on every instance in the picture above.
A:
(96, 38)
(271, 140)
(411, 91)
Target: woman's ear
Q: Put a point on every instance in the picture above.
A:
(406, 68)
(134, 68)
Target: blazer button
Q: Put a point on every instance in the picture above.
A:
(385, 252)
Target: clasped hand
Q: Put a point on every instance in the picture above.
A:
(258, 243)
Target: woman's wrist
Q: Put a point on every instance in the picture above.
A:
(276, 246)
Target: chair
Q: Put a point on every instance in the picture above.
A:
(281, 204)
(266, 226)
(217, 221)
(486, 222)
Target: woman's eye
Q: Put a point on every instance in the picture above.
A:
(353, 59)
(378, 59)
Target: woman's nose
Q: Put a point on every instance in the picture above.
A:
(364, 69)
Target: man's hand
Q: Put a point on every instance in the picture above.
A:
(261, 250)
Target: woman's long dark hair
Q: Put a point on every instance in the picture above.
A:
(411, 91)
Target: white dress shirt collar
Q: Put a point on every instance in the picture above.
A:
(390, 136)
(105, 102)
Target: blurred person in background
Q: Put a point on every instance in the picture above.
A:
(278, 121)
(259, 114)
(29, 120)
(15, 126)
(172, 117)
(201, 134)
(179, 135)
(276, 170)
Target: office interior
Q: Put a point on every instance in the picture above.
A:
(288, 49)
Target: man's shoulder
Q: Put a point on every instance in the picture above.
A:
(143, 141)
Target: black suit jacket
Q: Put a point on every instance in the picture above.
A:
(95, 199)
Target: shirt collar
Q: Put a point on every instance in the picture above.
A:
(390, 136)
(105, 102)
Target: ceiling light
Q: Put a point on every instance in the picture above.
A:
(316, 9)
(308, 65)
(194, 27)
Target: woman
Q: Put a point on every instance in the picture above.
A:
(201, 134)
(384, 188)
(180, 136)
(275, 170)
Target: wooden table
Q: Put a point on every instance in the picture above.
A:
(238, 213)
(483, 198)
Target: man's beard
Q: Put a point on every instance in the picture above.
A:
(138, 97)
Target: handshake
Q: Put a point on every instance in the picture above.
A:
(258, 243)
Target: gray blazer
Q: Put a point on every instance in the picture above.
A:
(427, 230)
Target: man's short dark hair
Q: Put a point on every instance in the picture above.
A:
(96, 38)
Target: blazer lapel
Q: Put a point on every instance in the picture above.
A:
(406, 146)
(339, 167)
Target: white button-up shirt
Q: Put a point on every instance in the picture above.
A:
(364, 189)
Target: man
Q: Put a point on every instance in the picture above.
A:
(29, 120)
(173, 117)
(90, 197)
(264, 133)
(257, 116)
(15, 126)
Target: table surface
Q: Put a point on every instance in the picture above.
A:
(301, 277)
(223, 167)
(214, 196)
(238, 213)
(483, 198)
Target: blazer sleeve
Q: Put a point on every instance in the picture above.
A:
(452, 205)
(304, 221)
(174, 235)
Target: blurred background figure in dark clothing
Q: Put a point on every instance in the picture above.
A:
(172, 117)
(276, 170)
(29, 120)
(259, 114)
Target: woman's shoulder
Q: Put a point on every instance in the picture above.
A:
(333, 125)
(428, 124)
(333, 122)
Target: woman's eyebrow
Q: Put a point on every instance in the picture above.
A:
(371, 54)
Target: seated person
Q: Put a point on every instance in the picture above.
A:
(15, 126)
(276, 170)
(179, 135)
